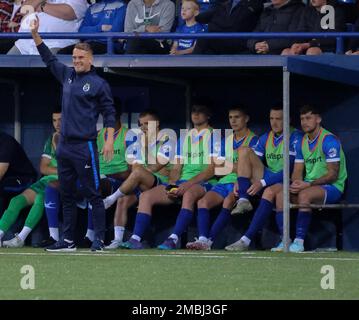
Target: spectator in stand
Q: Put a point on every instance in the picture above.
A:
(310, 21)
(280, 16)
(189, 11)
(10, 19)
(228, 16)
(103, 16)
(149, 16)
(54, 16)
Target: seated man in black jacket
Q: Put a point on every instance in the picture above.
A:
(280, 16)
(312, 21)
(16, 170)
(228, 16)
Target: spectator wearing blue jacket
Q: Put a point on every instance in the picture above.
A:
(102, 16)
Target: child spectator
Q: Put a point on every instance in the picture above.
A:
(189, 10)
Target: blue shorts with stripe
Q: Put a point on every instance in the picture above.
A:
(267, 173)
(223, 189)
(332, 194)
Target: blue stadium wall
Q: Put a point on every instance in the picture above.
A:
(257, 90)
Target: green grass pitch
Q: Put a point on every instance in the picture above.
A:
(187, 275)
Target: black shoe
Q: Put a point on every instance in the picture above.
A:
(86, 243)
(62, 246)
(97, 245)
(47, 242)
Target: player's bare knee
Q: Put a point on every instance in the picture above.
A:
(269, 194)
(244, 152)
(136, 174)
(304, 198)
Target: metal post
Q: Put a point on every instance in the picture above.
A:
(286, 170)
(188, 106)
(340, 45)
(110, 45)
(17, 115)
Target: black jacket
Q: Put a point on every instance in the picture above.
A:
(310, 22)
(242, 18)
(282, 19)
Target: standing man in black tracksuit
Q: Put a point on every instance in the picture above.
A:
(85, 96)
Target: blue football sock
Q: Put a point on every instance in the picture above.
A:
(222, 220)
(143, 220)
(243, 185)
(203, 222)
(303, 222)
(52, 206)
(261, 215)
(279, 220)
(183, 220)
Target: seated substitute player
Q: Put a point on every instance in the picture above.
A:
(112, 174)
(270, 147)
(189, 11)
(222, 193)
(253, 176)
(34, 195)
(318, 177)
(144, 175)
(190, 178)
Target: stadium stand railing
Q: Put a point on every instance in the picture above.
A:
(111, 36)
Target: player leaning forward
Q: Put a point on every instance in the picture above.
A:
(85, 96)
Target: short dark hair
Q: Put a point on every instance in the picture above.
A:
(240, 109)
(84, 46)
(56, 108)
(309, 108)
(150, 112)
(277, 107)
(201, 108)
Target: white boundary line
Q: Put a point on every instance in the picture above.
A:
(204, 255)
(105, 254)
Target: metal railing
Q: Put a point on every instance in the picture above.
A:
(109, 37)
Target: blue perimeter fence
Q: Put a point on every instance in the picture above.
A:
(111, 36)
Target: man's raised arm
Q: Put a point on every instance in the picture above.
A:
(59, 70)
